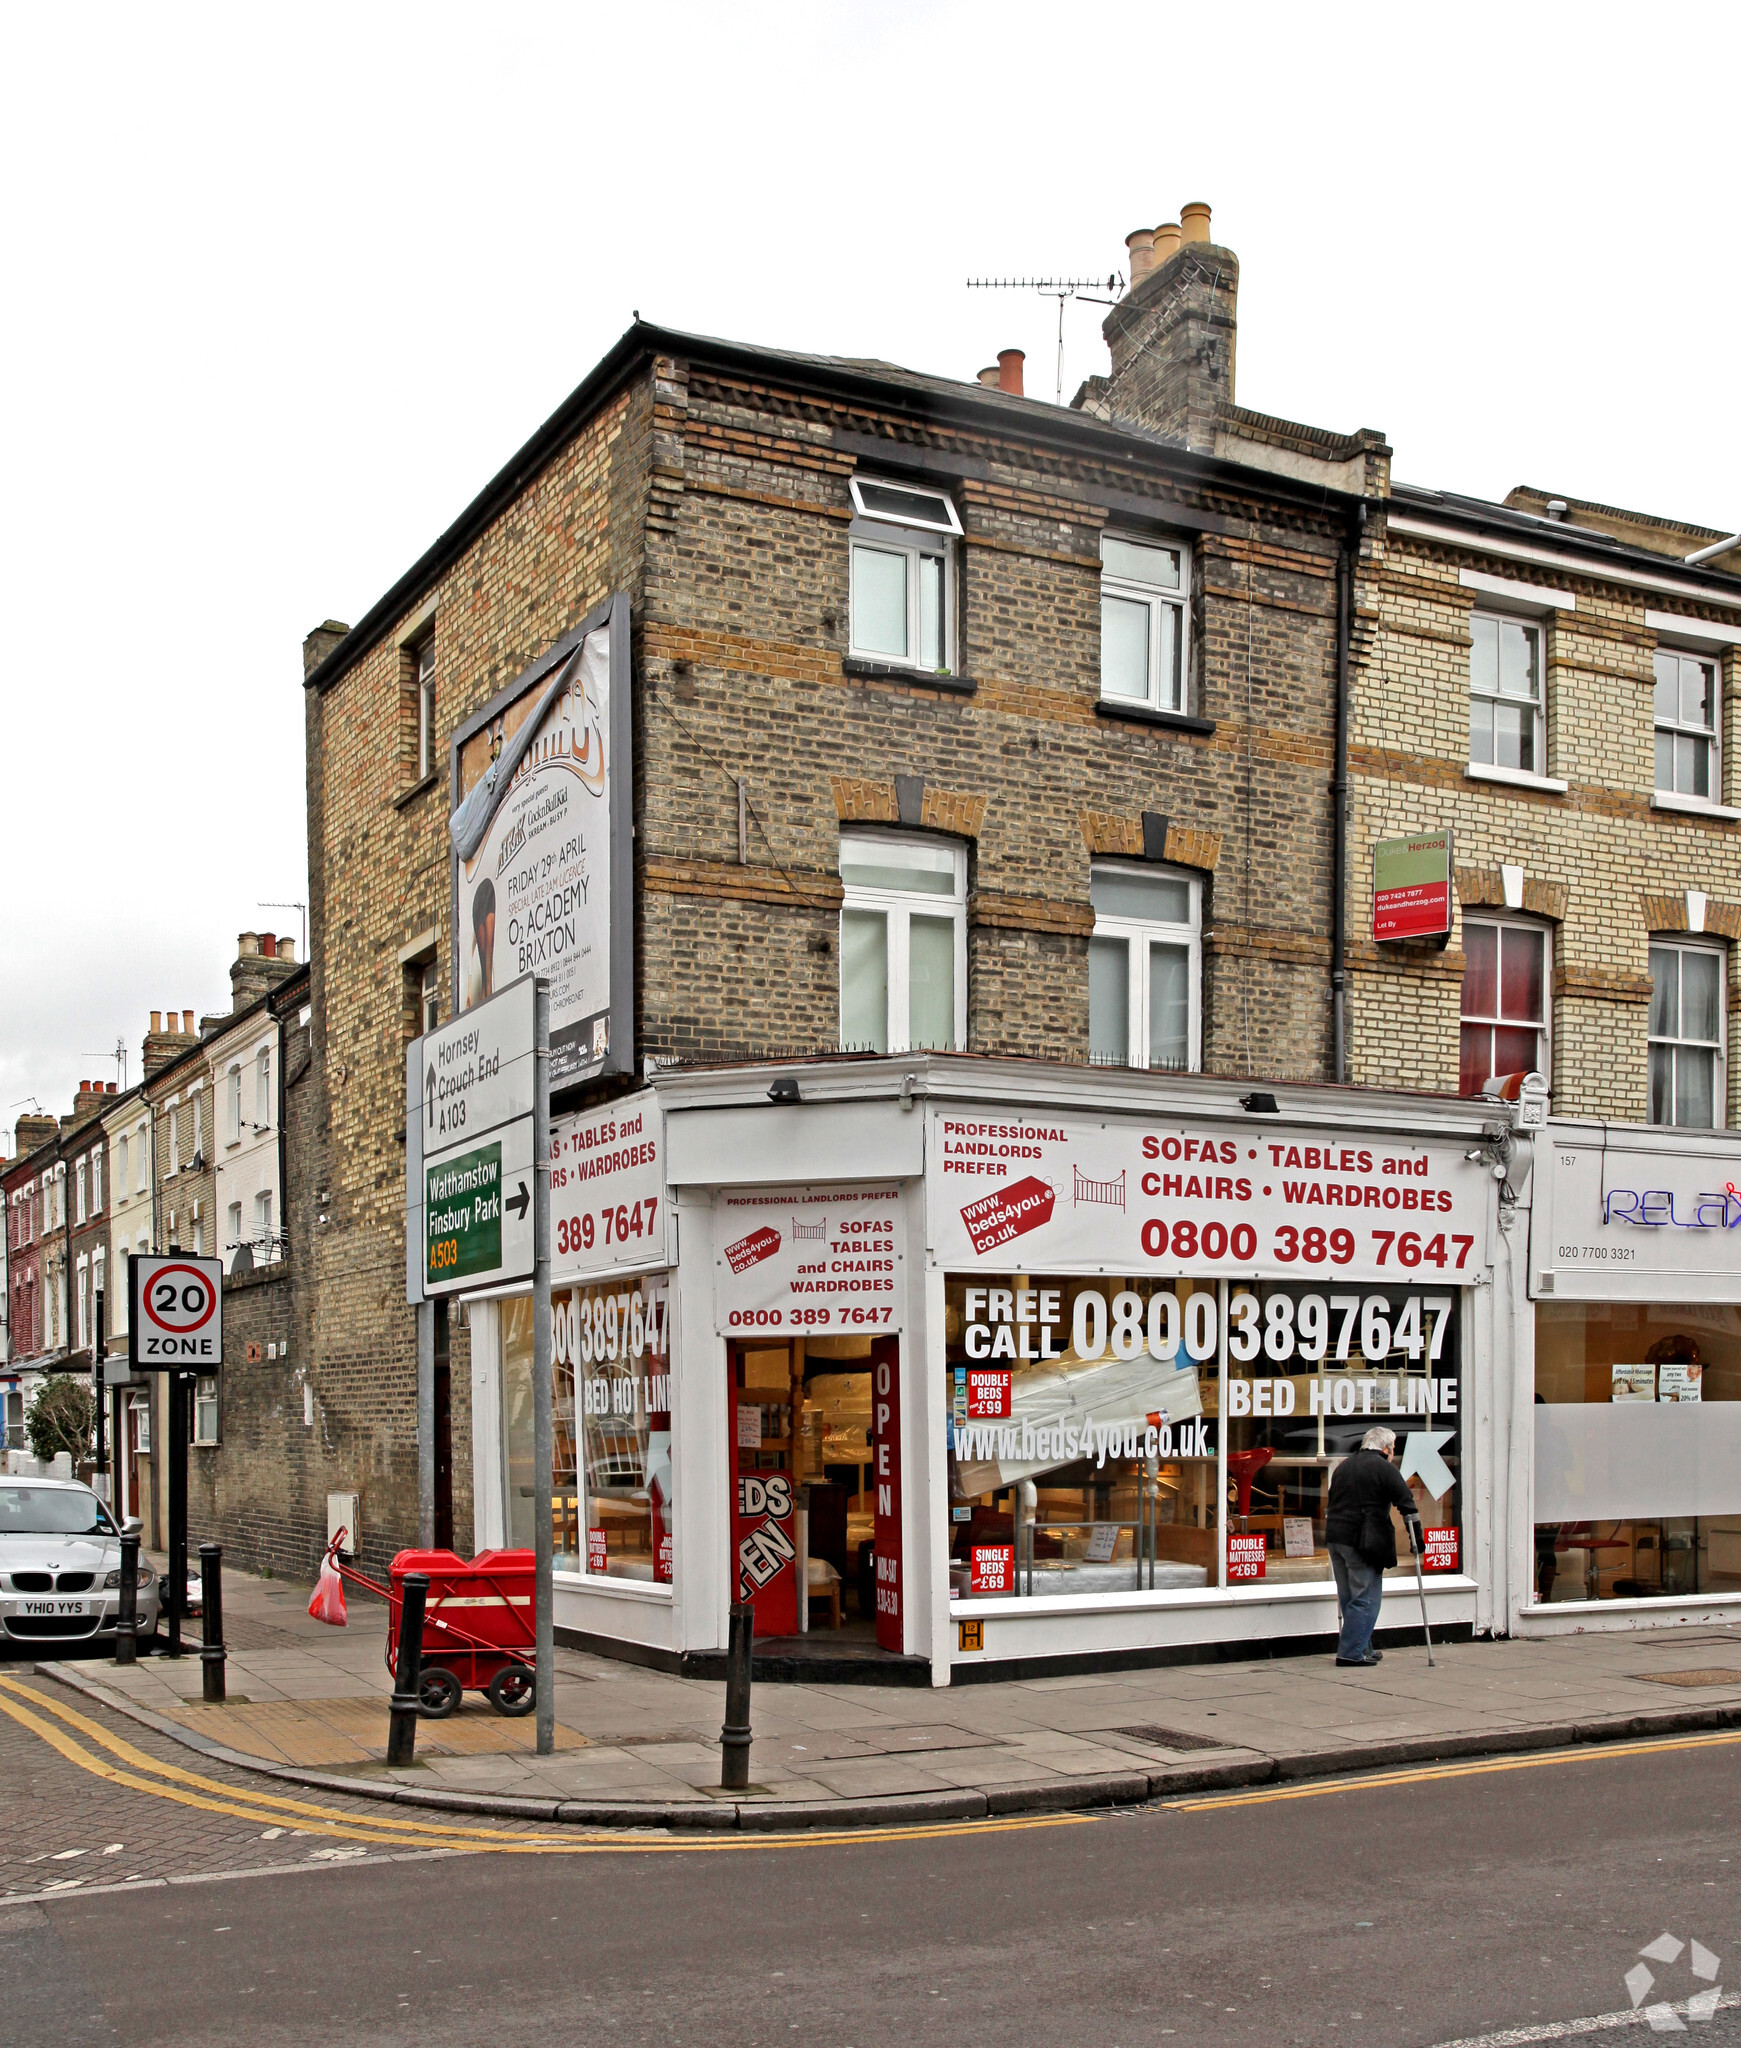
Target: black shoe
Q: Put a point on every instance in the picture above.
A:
(1359, 1663)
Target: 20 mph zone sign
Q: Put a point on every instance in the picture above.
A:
(175, 1319)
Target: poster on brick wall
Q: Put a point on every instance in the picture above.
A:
(541, 786)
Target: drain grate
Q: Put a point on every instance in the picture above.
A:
(1690, 1678)
(1172, 1738)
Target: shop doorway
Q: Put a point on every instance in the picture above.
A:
(815, 1485)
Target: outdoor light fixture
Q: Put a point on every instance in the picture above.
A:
(784, 1089)
(1260, 1103)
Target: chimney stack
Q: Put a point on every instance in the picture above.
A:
(1172, 342)
(261, 963)
(1009, 370)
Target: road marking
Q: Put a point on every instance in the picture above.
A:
(1607, 1752)
(1566, 2030)
(188, 1788)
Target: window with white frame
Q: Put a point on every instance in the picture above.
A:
(235, 1226)
(1144, 588)
(902, 562)
(1507, 976)
(263, 1220)
(97, 1181)
(79, 1179)
(426, 708)
(82, 1295)
(118, 1307)
(172, 1125)
(139, 1160)
(196, 1110)
(1145, 968)
(233, 1121)
(430, 997)
(1686, 725)
(1686, 1035)
(1505, 694)
(99, 1265)
(205, 1410)
(903, 944)
(121, 1165)
(263, 1089)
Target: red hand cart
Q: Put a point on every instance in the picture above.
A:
(479, 1633)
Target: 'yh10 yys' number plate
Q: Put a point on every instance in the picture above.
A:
(175, 1317)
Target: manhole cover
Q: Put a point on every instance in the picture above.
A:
(1172, 1738)
(1690, 1677)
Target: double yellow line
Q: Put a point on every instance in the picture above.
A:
(137, 1772)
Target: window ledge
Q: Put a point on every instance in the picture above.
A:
(1145, 714)
(1516, 778)
(417, 789)
(898, 672)
(1694, 806)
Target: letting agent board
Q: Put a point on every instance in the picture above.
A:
(1411, 887)
(175, 1320)
(469, 1197)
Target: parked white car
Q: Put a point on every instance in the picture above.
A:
(60, 1566)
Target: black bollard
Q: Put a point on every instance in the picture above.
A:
(211, 1607)
(127, 1621)
(734, 1737)
(407, 1668)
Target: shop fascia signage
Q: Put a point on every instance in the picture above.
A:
(1411, 887)
(1015, 1191)
(1618, 1216)
(609, 1208)
(469, 1097)
(542, 780)
(811, 1260)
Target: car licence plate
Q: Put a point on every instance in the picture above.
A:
(54, 1607)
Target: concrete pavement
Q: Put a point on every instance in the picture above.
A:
(640, 1747)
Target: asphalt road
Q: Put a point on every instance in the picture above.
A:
(1436, 1907)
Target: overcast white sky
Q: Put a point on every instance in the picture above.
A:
(284, 286)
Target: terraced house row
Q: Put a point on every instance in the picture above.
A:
(1120, 917)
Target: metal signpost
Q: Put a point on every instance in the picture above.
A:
(175, 1324)
(478, 1212)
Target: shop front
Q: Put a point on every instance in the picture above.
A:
(956, 1365)
(1634, 1413)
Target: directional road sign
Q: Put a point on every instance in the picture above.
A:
(470, 1090)
(175, 1320)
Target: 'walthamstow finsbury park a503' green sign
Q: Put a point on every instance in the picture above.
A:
(463, 1198)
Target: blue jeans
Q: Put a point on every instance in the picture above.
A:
(1360, 1589)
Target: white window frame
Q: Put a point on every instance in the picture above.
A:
(1138, 934)
(1132, 591)
(262, 1089)
(172, 1117)
(141, 1163)
(99, 1285)
(195, 1102)
(205, 1405)
(1711, 734)
(1529, 623)
(900, 906)
(233, 1104)
(121, 1187)
(83, 1300)
(97, 1181)
(263, 1220)
(429, 996)
(914, 538)
(425, 657)
(1545, 1031)
(1680, 942)
(80, 1180)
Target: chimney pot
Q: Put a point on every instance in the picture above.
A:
(1166, 243)
(286, 949)
(156, 1021)
(84, 1087)
(1558, 508)
(1194, 221)
(247, 944)
(187, 1022)
(1141, 245)
(1009, 370)
(268, 946)
(989, 376)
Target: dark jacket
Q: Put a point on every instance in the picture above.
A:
(1366, 1480)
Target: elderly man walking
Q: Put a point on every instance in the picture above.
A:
(1362, 1538)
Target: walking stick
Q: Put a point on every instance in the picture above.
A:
(1420, 1582)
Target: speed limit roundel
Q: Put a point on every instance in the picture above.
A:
(178, 1317)
(181, 1300)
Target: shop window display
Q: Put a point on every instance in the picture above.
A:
(612, 1479)
(1638, 1426)
(1131, 1435)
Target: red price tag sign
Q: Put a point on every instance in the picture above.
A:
(597, 1551)
(993, 1568)
(1009, 1212)
(1246, 1556)
(762, 1243)
(1440, 1554)
(988, 1394)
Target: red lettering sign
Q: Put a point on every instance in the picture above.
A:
(1009, 1212)
(1246, 1556)
(988, 1394)
(886, 1478)
(1440, 1554)
(762, 1243)
(597, 1552)
(993, 1568)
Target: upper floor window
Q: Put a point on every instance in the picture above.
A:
(903, 944)
(429, 996)
(1505, 694)
(140, 1162)
(1686, 725)
(1145, 970)
(1686, 1035)
(196, 1109)
(263, 1089)
(903, 586)
(233, 1123)
(426, 708)
(172, 1118)
(79, 1195)
(1505, 1002)
(97, 1180)
(1143, 592)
